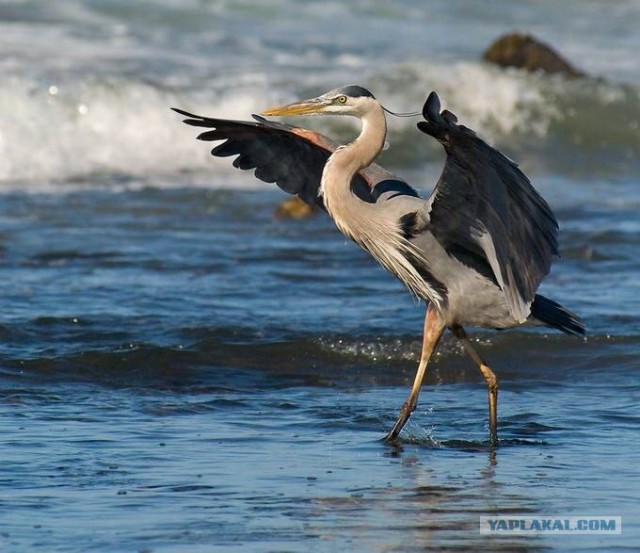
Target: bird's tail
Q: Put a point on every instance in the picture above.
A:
(553, 314)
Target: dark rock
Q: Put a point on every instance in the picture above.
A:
(528, 53)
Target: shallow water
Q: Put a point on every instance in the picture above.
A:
(204, 467)
(170, 386)
(182, 371)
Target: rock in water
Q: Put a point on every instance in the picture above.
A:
(294, 208)
(529, 53)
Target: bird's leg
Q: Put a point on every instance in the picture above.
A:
(433, 329)
(489, 377)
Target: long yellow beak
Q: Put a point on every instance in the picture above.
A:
(306, 107)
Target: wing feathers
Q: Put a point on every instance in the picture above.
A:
(483, 203)
(291, 157)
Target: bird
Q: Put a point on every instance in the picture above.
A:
(475, 250)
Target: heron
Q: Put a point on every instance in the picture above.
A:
(475, 250)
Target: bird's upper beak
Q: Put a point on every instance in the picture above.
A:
(306, 107)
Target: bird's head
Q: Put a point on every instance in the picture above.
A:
(348, 100)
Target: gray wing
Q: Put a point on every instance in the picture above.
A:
(486, 213)
(291, 157)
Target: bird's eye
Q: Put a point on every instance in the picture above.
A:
(342, 99)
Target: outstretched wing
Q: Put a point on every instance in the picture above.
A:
(291, 157)
(484, 209)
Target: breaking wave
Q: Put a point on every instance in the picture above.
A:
(61, 131)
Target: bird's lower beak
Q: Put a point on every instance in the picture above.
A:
(306, 107)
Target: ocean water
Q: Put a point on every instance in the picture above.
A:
(183, 371)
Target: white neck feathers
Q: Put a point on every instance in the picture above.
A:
(346, 161)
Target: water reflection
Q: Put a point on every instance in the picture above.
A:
(442, 504)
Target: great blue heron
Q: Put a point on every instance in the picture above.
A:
(476, 250)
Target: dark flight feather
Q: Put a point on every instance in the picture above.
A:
(291, 157)
(484, 206)
(555, 315)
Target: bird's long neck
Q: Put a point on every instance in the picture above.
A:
(345, 162)
(376, 230)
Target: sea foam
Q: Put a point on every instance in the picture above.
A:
(58, 132)
(54, 132)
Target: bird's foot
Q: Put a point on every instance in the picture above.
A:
(408, 407)
(493, 438)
